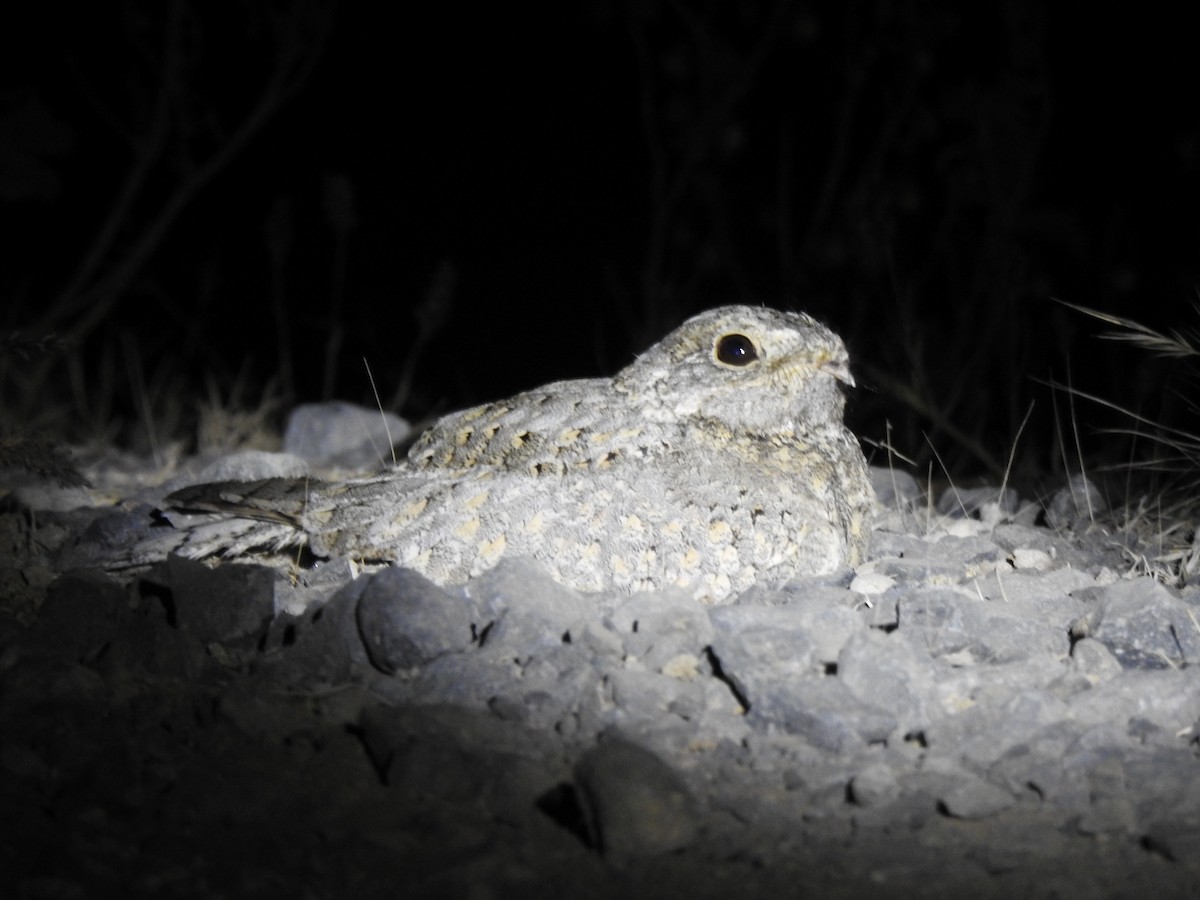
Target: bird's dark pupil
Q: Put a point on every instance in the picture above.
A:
(736, 350)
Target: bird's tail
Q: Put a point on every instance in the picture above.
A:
(226, 519)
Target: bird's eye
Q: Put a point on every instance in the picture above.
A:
(735, 350)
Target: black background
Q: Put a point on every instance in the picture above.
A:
(550, 187)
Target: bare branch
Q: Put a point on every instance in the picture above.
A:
(101, 281)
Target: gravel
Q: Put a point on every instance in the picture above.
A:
(989, 706)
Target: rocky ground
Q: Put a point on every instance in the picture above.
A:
(997, 704)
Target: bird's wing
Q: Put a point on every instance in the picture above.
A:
(566, 424)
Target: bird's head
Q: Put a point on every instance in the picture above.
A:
(751, 370)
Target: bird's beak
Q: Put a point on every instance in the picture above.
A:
(838, 367)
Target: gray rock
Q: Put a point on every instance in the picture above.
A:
(1009, 586)
(946, 621)
(407, 621)
(760, 650)
(599, 639)
(1079, 501)
(826, 614)
(895, 489)
(823, 711)
(471, 680)
(899, 545)
(1016, 841)
(976, 799)
(1094, 660)
(890, 672)
(343, 435)
(230, 604)
(636, 805)
(436, 769)
(1162, 781)
(830, 621)
(876, 784)
(532, 709)
(1142, 622)
(556, 686)
(662, 630)
(915, 571)
(389, 733)
(320, 648)
(983, 733)
(145, 647)
(313, 586)
(647, 696)
(1088, 552)
(529, 612)
(106, 536)
(83, 612)
(1033, 764)
(1164, 697)
(952, 623)
(961, 688)
(954, 560)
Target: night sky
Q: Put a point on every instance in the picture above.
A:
(549, 187)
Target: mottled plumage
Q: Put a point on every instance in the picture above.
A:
(717, 459)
